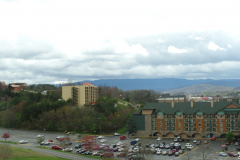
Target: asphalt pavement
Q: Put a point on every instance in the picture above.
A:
(195, 154)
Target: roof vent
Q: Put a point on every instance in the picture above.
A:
(211, 103)
(172, 104)
(191, 104)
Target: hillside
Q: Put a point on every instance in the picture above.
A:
(163, 84)
(199, 88)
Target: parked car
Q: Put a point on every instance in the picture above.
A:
(68, 143)
(100, 137)
(205, 141)
(59, 137)
(174, 150)
(175, 140)
(213, 138)
(78, 146)
(236, 143)
(164, 153)
(137, 139)
(103, 140)
(223, 154)
(120, 143)
(56, 147)
(178, 147)
(194, 141)
(45, 143)
(162, 146)
(159, 152)
(178, 137)
(238, 149)
(180, 140)
(49, 140)
(116, 134)
(67, 150)
(167, 146)
(87, 153)
(40, 136)
(107, 154)
(80, 151)
(181, 151)
(122, 154)
(122, 137)
(170, 153)
(133, 142)
(23, 141)
(176, 153)
(177, 144)
(183, 147)
(232, 154)
(97, 153)
(227, 143)
(159, 139)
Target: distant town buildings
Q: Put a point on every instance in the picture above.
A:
(3, 84)
(189, 119)
(167, 98)
(85, 94)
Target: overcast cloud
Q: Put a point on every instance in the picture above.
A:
(51, 41)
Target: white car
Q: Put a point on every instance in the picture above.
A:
(67, 150)
(116, 134)
(190, 147)
(194, 141)
(23, 141)
(119, 143)
(175, 140)
(187, 144)
(178, 137)
(100, 137)
(177, 144)
(103, 140)
(59, 137)
(120, 149)
(137, 139)
(40, 136)
(45, 143)
(159, 152)
(135, 150)
(159, 139)
(238, 157)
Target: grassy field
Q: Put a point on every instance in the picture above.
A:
(27, 154)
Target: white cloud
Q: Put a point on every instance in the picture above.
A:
(229, 46)
(214, 47)
(196, 38)
(160, 40)
(172, 49)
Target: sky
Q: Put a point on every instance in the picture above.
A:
(52, 41)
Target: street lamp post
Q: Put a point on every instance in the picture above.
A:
(95, 138)
(44, 137)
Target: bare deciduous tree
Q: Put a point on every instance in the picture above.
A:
(6, 151)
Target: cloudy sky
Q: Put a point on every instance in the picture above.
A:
(51, 41)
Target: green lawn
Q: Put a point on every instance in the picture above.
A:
(21, 153)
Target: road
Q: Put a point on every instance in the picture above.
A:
(196, 153)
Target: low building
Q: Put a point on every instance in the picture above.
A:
(167, 98)
(189, 119)
(22, 85)
(3, 84)
(85, 94)
(14, 88)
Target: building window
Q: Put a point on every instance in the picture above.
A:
(179, 124)
(160, 120)
(221, 120)
(200, 129)
(155, 128)
(199, 120)
(160, 128)
(179, 120)
(221, 125)
(221, 129)
(160, 124)
(199, 124)
(214, 129)
(179, 129)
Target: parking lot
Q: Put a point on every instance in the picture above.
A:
(196, 153)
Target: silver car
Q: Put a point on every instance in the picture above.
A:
(23, 141)
(223, 154)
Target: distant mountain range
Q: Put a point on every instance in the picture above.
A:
(166, 84)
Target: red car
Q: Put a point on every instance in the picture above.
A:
(232, 154)
(174, 150)
(96, 148)
(57, 147)
(49, 140)
(107, 155)
(213, 138)
(122, 137)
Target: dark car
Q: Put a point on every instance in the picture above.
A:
(238, 149)
(133, 142)
(174, 150)
(78, 146)
(68, 143)
(156, 145)
(228, 143)
(80, 151)
(170, 153)
(177, 147)
(87, 153)
(180, 140)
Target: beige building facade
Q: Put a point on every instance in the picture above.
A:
(85, 94)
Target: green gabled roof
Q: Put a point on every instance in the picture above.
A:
(186, 108)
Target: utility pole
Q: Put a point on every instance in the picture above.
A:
(44, 137)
